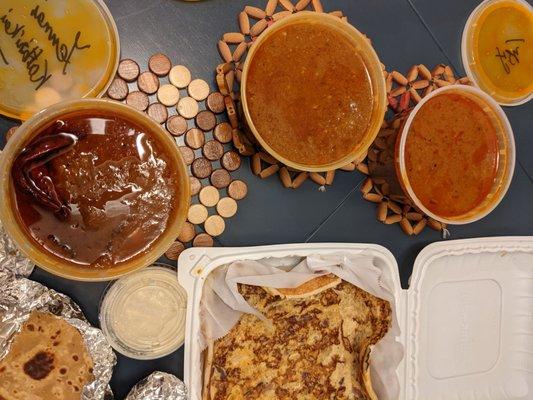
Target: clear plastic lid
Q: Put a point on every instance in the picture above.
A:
(54, 50)
(497, 50)
(143, 314)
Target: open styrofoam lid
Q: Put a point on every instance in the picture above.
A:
(470, 321)
(54, 50)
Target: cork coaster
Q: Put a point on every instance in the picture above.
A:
(233, 47)
(381, 186)
(193, 115)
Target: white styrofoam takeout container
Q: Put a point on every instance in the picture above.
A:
(466, 319)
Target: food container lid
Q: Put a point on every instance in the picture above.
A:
(466, 319)
(143, 314)
(54, 50)
(492, 64)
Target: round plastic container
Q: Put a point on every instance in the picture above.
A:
(66, 50)
(508, 39)
(372, 64)
(143, 314)
(506, 161)
(50, 262)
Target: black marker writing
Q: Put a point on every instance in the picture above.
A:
(509, 57)
(63, 52)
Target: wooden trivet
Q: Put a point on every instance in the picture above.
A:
(381, 186)
(233, 47)
(189, 111)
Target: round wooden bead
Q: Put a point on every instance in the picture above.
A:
(118, 90)
(198, 89)
(158, 112)
(203, 240)
(188, 232)
(223, 132)
(237, 190)
(174, 251)
(213, 150)
(195, 138)
(137, 100)
(231, 160)
(168, 95)
(227, 207)
(128, 70)
(197, 214)
(214, 225)
(188, 154)
(201, 168)
(159, 64)
(195, 185)
(180, 76)
(209, 196)
(176, 125)
(187, 107)
(215, 102)
(220, 178)
(148, 82)
(206, 120)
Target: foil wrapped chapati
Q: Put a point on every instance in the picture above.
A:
(48, 360)
(314, 345)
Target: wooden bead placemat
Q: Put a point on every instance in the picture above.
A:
(191, 113)
(233, 47)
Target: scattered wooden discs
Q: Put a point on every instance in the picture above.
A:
(118, 90)
(158, 112)
(201, 168)
(168, 95)
(148, 82)
(231, 160)
(198, 89)
(159, 64)
(195, 184)
(128, 70)
(215, 225)
(213, 150)
(174, 251)
(220, 178)
(222, 132)
(237, 190)
(206, 120)
(180, 76)
(195, 138)
(209, 196)
(197, 214)
(187, 107)
(227, 207)
(188, 154)
(215, 102)
(188, 232)
(137, 100)
(203, 240)
(177, 126)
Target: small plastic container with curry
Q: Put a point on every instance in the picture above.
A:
(455, 154)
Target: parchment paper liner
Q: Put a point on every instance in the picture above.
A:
(222, 304)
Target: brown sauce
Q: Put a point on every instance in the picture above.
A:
(309, 94)
(451, 155)
(116, 186)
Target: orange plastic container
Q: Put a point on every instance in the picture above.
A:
(45, 259)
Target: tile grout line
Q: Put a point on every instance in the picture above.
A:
(334, 211)
(433, 36)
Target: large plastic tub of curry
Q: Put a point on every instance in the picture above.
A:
(92, 189)
(465, 319)
(313, 92)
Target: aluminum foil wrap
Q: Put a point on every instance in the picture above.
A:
(159, 386)
(20, 296)
(11, 259)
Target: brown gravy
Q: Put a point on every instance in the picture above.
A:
(309, 94)
(117, 186)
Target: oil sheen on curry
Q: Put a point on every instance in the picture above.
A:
(95, 190)
(451, 155)
(309, 94)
